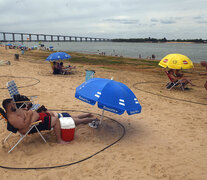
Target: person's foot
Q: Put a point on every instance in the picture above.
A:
(94, 124)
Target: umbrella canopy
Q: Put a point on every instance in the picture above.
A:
(58, 56)
(9, 44)
(111, 96)
(176, 61)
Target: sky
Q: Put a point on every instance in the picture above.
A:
(172, 19)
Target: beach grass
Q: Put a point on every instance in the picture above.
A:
(108, 62)
(93, 59)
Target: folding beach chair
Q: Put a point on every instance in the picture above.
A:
(13, 130)
(89, 74)
(173, 84)
(13, 90)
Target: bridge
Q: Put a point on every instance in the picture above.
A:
(31, 37)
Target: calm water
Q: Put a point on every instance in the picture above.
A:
(196, 52)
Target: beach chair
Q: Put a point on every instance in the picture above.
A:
(13, 130)
(89, 74)
(13, 90)
(173, 84)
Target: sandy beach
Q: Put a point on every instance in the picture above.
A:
(166, 141)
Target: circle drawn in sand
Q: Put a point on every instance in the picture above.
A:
(158, 89)
(96, 139)
(20, 81)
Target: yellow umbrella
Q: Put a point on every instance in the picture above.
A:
(176, 61)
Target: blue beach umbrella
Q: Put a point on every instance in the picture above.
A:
(58, 56)
(111, 96)
(9, 44)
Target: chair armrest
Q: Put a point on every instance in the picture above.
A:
(36, 122)
(33, 96)
(22, 101)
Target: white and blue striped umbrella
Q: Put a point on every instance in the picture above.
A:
(111, 96)
(58, 56)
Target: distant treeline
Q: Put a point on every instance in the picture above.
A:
(154, 40)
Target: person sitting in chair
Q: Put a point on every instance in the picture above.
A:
(175, 75)
(21, 119)
(56, 68)
(65, 70)
(182, 77)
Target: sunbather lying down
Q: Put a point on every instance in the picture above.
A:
(22, 119)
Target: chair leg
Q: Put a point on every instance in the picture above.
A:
(40, 134)
(7, 137)
(20, 139)
(172, 87)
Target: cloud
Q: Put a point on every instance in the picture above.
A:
(200, 20)
(125, 18)
(154, 20)
(167, 21)
(198, 17)
(122, 21)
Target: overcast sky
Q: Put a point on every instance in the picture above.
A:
(172, 19)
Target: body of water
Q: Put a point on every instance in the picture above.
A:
(196, 52)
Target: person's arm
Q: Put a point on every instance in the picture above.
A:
(203, 73)
(34, 117)
(173, 78)
(22, 121)
(28, 118)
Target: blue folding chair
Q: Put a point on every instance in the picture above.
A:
(13, 90)
(89, 74)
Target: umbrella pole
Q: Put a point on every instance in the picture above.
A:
(102, 116)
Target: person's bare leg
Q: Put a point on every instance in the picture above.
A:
(191, 83)
(55, 123)
(83, 120)
(85, 115)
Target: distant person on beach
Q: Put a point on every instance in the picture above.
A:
(56, 68)
(66, 69)
(153, 56)
(205, 85)
(204, 64)
(21, 119)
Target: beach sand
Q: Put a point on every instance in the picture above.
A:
(167, 140)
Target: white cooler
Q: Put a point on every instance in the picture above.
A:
(67, 128)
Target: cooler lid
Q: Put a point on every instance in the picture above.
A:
(67, 123)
